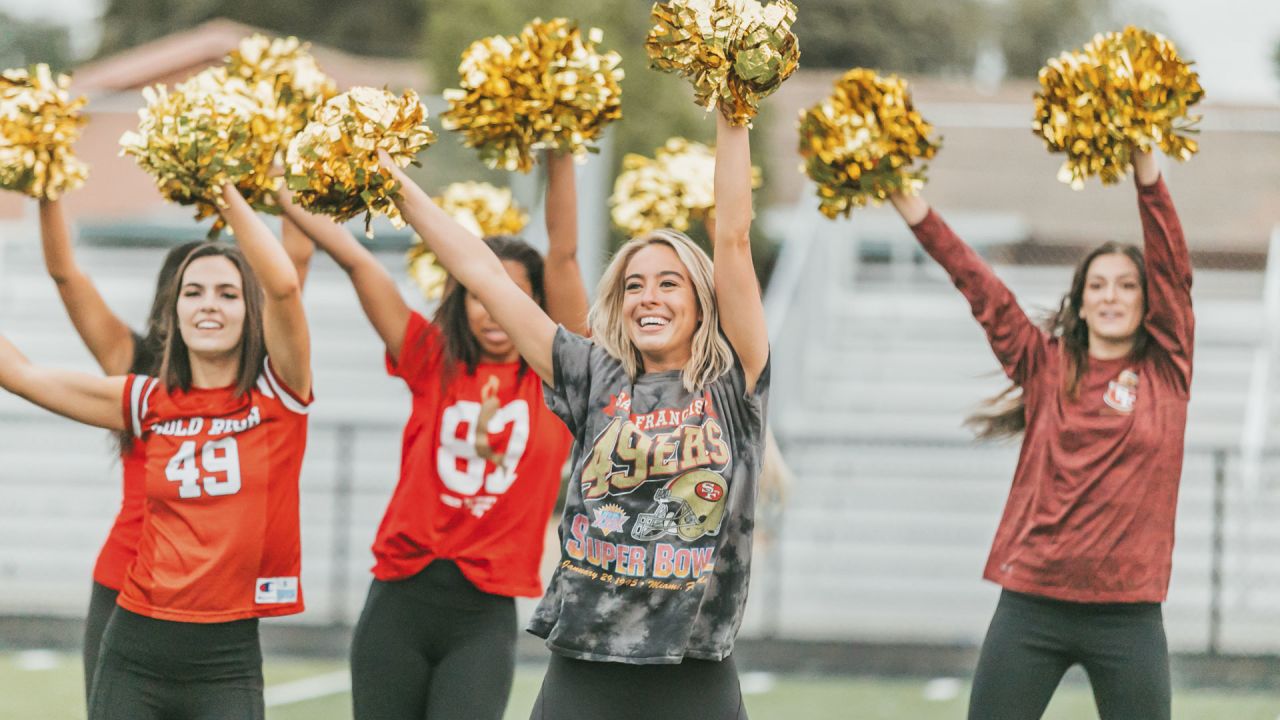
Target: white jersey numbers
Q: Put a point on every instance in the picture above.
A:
(218, 468)
(461, 468)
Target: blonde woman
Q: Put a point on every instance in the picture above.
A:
(666, 404)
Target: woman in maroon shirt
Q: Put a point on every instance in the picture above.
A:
(1083, 550)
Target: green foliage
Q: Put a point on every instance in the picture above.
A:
(1032, 31)
(389, 28)
(891, 35)
(27, 42)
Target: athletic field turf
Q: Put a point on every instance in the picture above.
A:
(47, 686)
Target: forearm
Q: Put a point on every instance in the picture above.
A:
(55, 241)
(562, 277)
(732, 184)
(912, 208)
(1146, 167)
(81, 397)
(107, 337)
(264, 253)
(299, 247)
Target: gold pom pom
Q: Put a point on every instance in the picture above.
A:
(425, 270)
(288, 66)
(332, 165)
(546, 88)
(39, 123)
(673, 189)
(211, 130)
(479, 207)
(859, 144)
(735, 52)
(483, 209)
(1121, 91)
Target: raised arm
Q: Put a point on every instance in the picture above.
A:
(376, 289)
(1169, 318)
(299, 247)
(89, 399)
(284, 321)
(1018, 344)
(473, 264)
(102, 331)
(562, 278)
(737, 289)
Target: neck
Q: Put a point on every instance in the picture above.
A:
(1108, 349)
(214, 372)
(664, 362)
(510, 356)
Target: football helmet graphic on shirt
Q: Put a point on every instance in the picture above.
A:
(690, 506)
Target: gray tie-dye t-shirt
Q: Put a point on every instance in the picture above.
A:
(655, 544)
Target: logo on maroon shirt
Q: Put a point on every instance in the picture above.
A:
(1122, 392)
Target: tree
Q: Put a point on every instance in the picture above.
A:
(1032, 31)
(390, 28)
(26, 42)
(891, 35)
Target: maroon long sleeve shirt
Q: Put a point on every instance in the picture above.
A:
(1090, 514)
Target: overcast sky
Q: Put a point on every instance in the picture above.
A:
(1232, 41)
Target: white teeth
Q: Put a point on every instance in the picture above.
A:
(208, 325)
(650, 321)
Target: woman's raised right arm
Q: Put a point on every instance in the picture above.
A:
(82, 397)
(1018, 344)
(102, 331)
(379, 296)
(473, 264)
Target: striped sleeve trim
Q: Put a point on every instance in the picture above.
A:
(139, 401)
(287, 397)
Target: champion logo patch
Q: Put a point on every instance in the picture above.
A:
(276, 590)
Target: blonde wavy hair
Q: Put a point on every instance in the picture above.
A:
(709, 358)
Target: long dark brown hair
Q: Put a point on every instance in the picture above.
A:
(1005, 415)
(148, 348)
(175, 364)
(460, 346)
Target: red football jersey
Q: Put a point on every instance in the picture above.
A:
(479, 470)
(220, 538)
(121, 546)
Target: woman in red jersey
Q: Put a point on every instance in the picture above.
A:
(480, 469)
(118, 350)
(1084, 548)
(667, 404)
(223, 430)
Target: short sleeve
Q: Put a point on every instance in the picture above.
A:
(136, 402)
(421, 346)
(274, 387)
(571, 370)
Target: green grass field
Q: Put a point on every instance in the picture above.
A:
(47, 686)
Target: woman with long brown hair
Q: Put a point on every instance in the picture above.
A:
(222, 422)
(118, 350)
(1099, 396)
(480, 469)
(666, 403)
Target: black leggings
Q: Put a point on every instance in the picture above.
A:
(102, 602)
(160, 670)
(692, 690)
(433, 646)
(1033, 640)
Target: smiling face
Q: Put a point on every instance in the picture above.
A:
(1112, 304)
(495, 345)
(211, 307)
(660, 307)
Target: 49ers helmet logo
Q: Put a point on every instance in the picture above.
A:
(689, 506)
